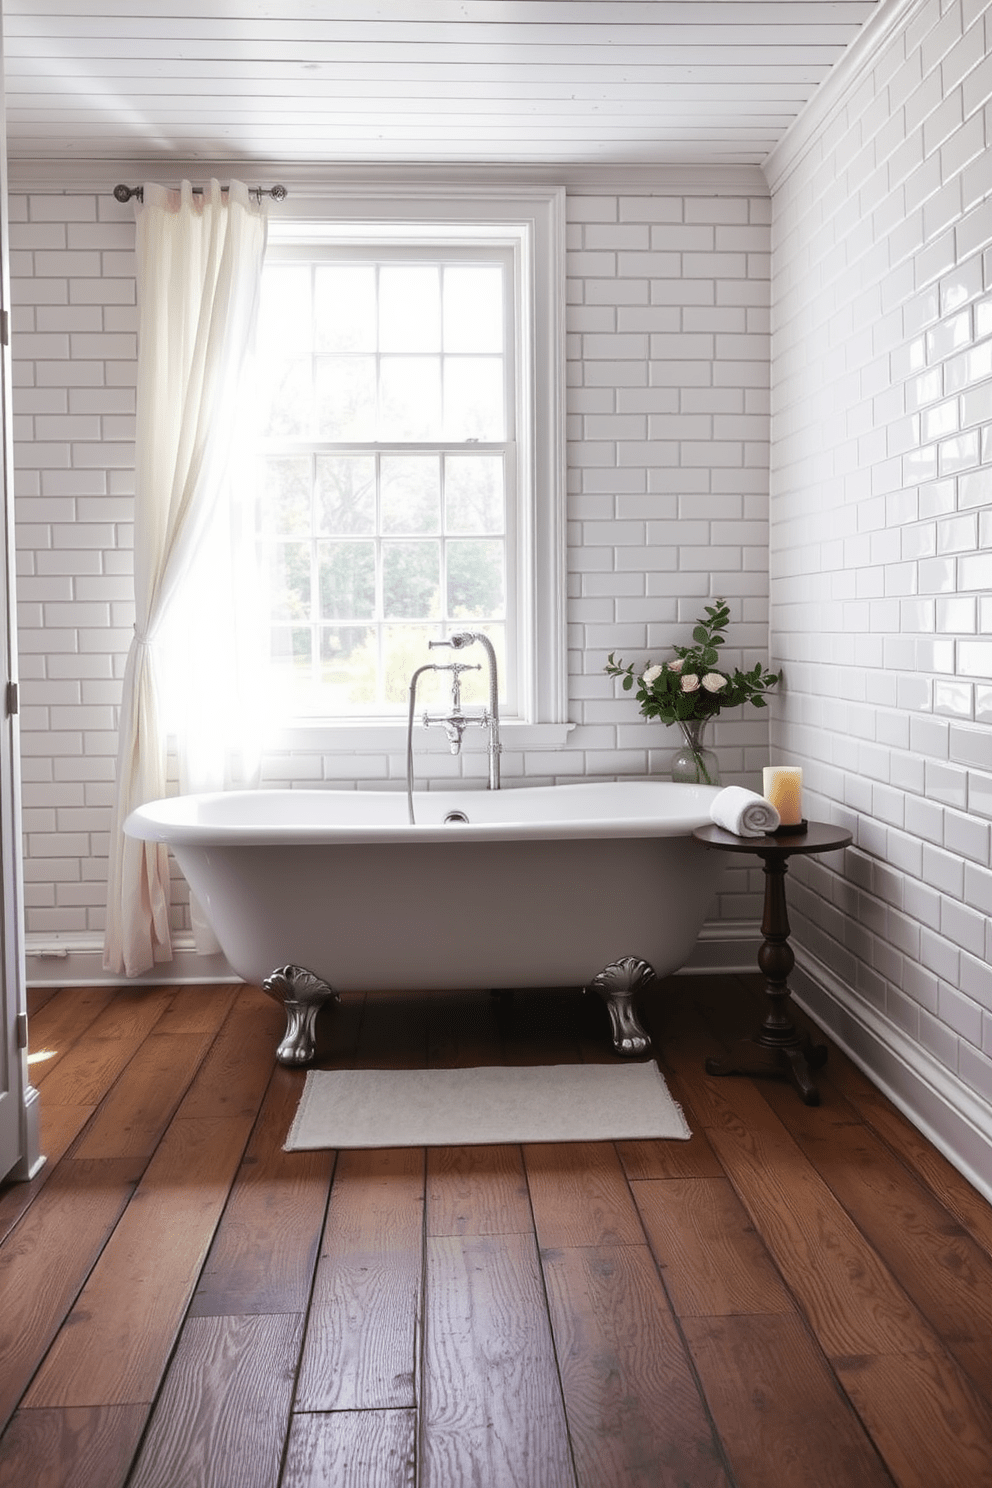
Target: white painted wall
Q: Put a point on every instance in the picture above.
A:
(881, 549)
(668, 291)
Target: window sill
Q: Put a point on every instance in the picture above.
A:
(390, 737)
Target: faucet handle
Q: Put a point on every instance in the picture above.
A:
(463, 638)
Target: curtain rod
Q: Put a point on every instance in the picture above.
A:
(277, 193)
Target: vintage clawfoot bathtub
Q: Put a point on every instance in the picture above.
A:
(315, 892)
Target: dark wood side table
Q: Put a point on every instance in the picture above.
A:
(778, 1046)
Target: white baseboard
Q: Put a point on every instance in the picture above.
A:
(724, 945)
(946, 1110)
(77, 961)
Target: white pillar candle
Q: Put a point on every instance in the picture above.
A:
(782, 785)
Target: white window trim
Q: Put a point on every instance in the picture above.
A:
(534, 219)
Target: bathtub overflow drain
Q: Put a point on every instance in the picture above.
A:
(456, 816)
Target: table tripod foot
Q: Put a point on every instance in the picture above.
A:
(796, 1061)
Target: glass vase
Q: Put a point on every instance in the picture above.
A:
(693, 763)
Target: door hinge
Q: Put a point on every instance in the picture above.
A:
(4, 328)
(11, 699)
(22, 1030)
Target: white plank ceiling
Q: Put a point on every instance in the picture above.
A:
(517, 81)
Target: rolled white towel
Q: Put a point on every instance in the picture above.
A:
(744, 812)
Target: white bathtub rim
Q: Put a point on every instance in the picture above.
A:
(608, 809)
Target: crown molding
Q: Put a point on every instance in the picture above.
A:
(315, 180)
(843, 77)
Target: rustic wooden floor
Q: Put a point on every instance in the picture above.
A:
(796, 1296)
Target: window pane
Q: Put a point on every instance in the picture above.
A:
(473, 398)
(285, 312)
(409, 307)
(289, 580)
(284, 500)
(344, 308)
(404, 649)
(347, 580)
(345, 397)
(411, 580)
(473, 493)
(473, 308)
(475, 580)
(345, 497)
(349, 667)
(286, 395)
(289, 651)
(411, 493)
(410, 398)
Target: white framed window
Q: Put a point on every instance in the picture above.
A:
(386, 508)
(410, 450)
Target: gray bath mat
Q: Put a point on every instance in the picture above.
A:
(469, 1107)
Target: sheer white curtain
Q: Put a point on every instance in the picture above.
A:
(199, 271)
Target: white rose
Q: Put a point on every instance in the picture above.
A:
(713, 681)
(676, 666)
(690, 683)
(651, 674)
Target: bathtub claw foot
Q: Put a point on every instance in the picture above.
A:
(618, 985)
(302, 994)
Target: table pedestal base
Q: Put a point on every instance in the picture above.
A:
(796, 1058)
(778, 1047)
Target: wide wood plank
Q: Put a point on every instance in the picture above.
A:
(118, 1337)
(925, 1416)
(713, 1261)
(223, 1413)
(199, 1009)
(59, 1128)
(653, 1157)
(953, 1190)
(338, 1030)
(580, 1195)
(634, 1411)
(541, 1027)
(86, 1073)
(776, 1405)
(80, 1448)
(60, 1021)
(265, 1250)
(232, 1078)
(138, 1109)
(852, 1300)
(352, 1449)
(477, 1191)
(464, 1030)
(361, 1340)
(492, 1407)
(394, 1032)
(947, 1274)
(46, 1259)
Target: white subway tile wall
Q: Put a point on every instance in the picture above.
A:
(668, 492)
(881, 528)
